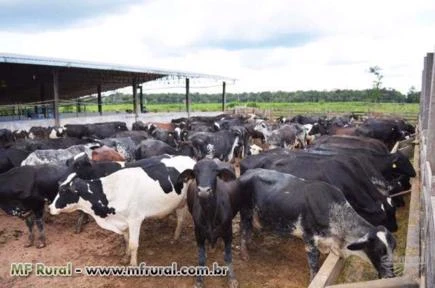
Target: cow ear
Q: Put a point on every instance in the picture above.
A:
(359, 244)
(185, 176)
(226, 174)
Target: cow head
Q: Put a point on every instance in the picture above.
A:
(401, 165)
(206, 172)
(254, 149)
(84, 195)
(81, 165)
(67, 198)
(378, 244)
(242, 144)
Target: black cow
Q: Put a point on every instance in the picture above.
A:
(314, 211)
(97, 130)
(24, 190)
(151, 147)
(213, 200)
(6, 137)
(343, 172)
(11, 157)
(395, 167)
(388, 131)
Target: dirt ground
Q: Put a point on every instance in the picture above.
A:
(277, 262)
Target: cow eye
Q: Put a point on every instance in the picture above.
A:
(394, 165)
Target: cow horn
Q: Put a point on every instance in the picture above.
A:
(395, 148)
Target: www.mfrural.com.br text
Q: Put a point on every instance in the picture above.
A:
(142, 270)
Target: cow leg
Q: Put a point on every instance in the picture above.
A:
(29, 223)
(41, 228)
(83, 219)
(39, 220)
(181, 213)
(245, 231)
(133, 241)
(313, 258)
(228, 257)
(127, 251)
(202, 256)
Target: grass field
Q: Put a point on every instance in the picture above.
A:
(304, 107)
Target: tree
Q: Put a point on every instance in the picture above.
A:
(375, 94)
(413, 96)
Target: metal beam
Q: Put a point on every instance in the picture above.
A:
(56, 98)
(187, 98)
(141, 99)
(100, 107)
(135, 106)
(224, 100)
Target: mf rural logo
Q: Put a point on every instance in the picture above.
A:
(40, 269)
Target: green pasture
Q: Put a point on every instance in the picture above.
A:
(302, 107)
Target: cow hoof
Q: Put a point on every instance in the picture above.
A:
(125, 260)
(233, 283)
(41, 245)
(28, 244)
(244, 255)
(199, 285)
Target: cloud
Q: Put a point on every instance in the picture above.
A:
(40, 15)
(267, 45)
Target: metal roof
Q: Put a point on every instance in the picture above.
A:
(25, 78)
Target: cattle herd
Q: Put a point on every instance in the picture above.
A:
(326, 180)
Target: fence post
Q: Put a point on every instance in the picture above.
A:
(426, 89)
(431, 117)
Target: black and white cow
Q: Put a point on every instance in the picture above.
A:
(57, 156)
(213, 200)
(46, 132)
(316, 212)
(126, 146)
(221, 145)
(122, 200)
(286, 136)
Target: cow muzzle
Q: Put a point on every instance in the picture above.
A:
(53, 210)
(204, 192)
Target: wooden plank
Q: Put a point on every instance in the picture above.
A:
(329, 271)
(402, 282)
(412, 252)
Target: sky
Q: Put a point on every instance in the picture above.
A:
(267, 45)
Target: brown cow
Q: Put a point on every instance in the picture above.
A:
(105, 153)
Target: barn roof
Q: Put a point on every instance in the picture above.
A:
(25, 78)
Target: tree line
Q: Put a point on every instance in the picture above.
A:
(382, 95)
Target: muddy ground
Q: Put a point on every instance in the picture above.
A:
(276, 262)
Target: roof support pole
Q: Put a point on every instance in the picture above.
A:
(141, 98)
(224, 98)
(187, 98)
(42, 99)
(56, 98)
(100, 108)
(135, 106)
